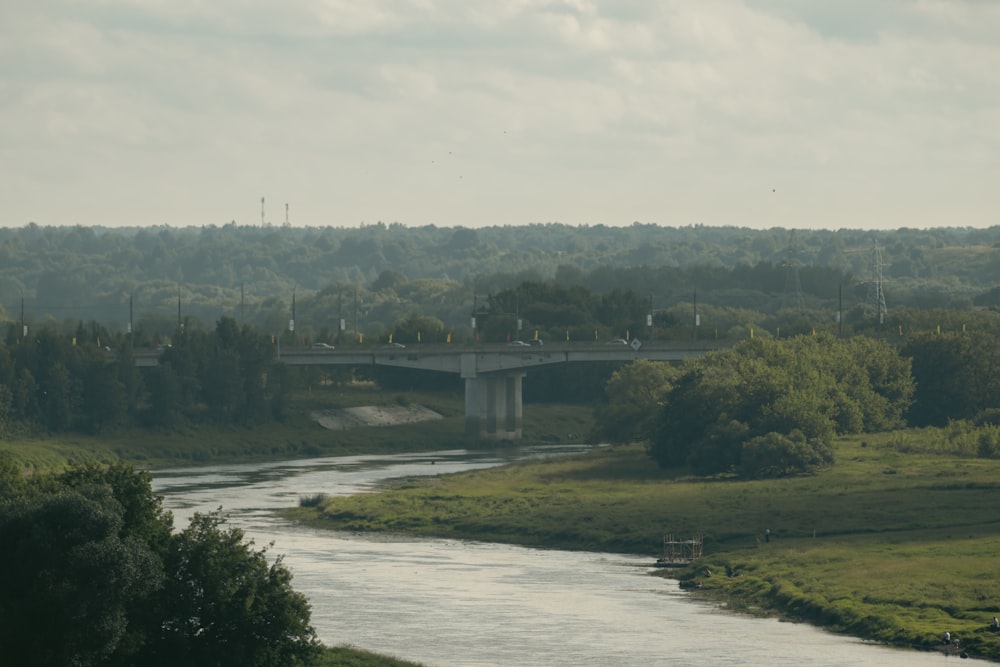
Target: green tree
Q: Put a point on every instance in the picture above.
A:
(418, 328)
(957, 375)
(775, 454)
(165, 397)
(142, 513)
(68, 578)
(811, 387)
(635, 393)
(225, 604)
(104, 401)
(91, 574)
(11, 475)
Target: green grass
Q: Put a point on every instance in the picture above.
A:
(888, 544)
(347, 656)
(299, 436)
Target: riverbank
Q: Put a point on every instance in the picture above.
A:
(887, 545)
(326, 422)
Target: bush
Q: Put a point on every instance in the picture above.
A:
(311, 499)
(776, 455)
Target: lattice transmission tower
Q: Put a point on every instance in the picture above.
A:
(875, 305)
(793, 287)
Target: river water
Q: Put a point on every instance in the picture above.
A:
(453, 603)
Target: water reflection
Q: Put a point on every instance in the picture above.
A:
(455, 603)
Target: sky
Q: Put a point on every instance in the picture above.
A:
(800, 114)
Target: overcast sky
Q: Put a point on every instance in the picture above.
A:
(761, 113)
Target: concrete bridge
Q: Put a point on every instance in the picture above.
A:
(493, 374)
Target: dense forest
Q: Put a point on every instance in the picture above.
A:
(364, 280)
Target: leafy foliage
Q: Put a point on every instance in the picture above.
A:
(374, 275)
(226, 605)
(958, 376)
(68, 578)
(781, 402)
(90, 574)
(636, 393)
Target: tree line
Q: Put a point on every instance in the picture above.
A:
(769, 407)
(368, 278)
(73, 376)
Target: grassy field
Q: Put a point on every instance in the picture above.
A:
(299, 436)
(886, 545)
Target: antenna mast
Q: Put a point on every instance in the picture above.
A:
(261, 211)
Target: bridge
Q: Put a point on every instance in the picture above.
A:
(493, 374)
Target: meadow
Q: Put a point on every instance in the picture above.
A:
(894, 543)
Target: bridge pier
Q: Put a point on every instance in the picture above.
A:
(493, 406)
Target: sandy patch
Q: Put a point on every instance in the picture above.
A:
(370, 415)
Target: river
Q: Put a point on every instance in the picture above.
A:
(451, 603)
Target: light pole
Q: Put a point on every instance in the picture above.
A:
(291, 322)
(649, 318)
(131, 335)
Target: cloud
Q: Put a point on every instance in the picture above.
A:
(490, 113)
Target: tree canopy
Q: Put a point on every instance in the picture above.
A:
(91, 574)
(743, 409)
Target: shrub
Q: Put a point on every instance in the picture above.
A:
(311, 499)
(776, 455)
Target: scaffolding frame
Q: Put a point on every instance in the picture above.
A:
(677, 552)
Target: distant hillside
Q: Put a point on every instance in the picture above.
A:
(252, 273)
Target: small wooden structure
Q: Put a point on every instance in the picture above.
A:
(678, 553)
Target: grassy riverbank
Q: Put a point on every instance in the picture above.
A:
(298, 436)
(347, 656)
(893, 546)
